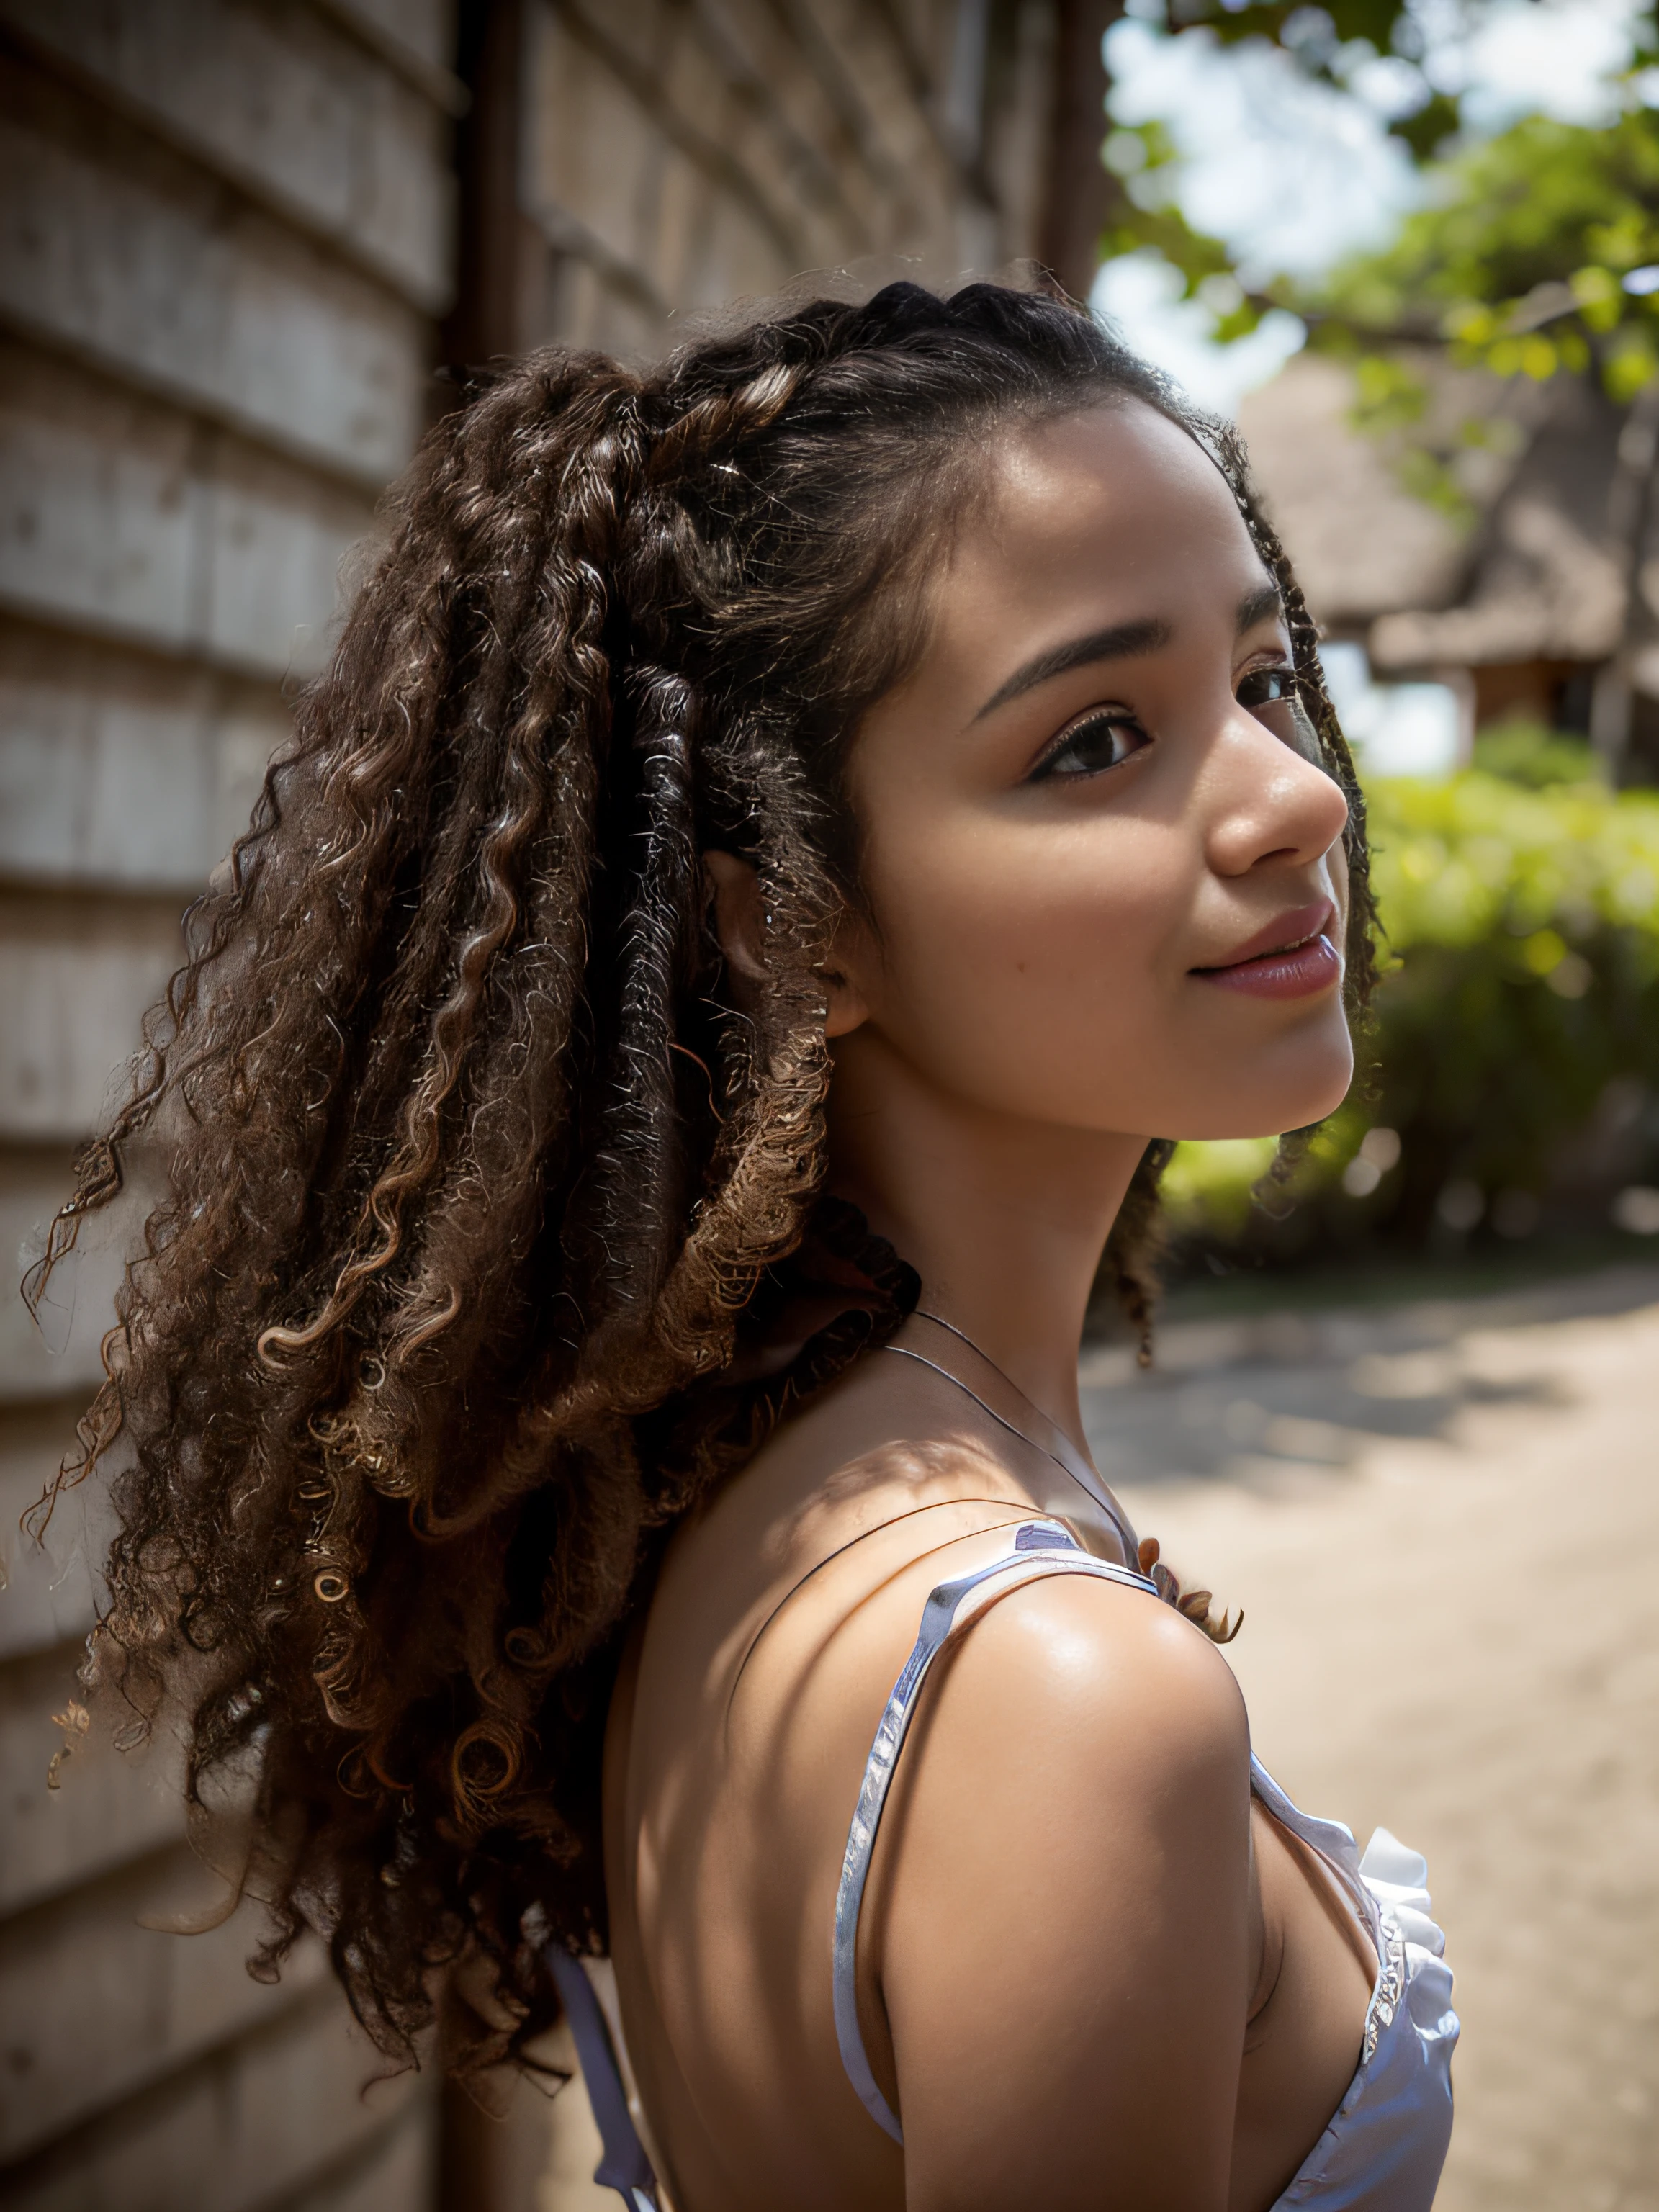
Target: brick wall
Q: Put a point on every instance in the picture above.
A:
(236, 238)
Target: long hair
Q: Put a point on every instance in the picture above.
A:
(477, 1175)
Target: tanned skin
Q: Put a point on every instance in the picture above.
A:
(1092, 1972)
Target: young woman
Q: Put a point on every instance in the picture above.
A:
(782, 844)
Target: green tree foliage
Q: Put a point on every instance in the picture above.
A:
(1539, 251)
(1328, 43)
(1519, 261)
(1144, 159)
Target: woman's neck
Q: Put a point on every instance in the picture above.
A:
(1004, 1220)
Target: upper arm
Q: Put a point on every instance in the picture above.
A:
(1059, 1915)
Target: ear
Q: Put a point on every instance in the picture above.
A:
(734, 890)
(740, 926)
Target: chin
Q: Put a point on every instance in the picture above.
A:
(1284, 1098)
(1302, 1104)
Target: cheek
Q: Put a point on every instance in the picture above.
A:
(1042, 973)
(1024, 969)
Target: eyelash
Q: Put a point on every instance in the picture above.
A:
(1284, 676)
(1109, 719)
(1105, 719)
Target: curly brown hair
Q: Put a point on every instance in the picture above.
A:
(476, 1176)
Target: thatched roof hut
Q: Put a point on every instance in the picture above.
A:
(1519, 600)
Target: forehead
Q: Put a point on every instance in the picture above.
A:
(1114, 503)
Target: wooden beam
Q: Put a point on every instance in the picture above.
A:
(1080, 189)
(484, 323)
(267, 116)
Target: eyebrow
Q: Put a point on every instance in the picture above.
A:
(1255, 606)
(1121, 642)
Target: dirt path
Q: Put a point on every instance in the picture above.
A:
(1443, 1523)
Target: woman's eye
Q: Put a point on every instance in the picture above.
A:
(1101, 741)
(1267, 687)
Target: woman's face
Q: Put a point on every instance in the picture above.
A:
(1108, 891)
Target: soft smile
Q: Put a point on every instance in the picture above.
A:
(1293, 957)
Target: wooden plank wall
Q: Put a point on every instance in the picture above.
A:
(227, 250)
(677, 155)
(225, 241)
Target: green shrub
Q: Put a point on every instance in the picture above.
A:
(1521, 912)
(1527, 752)
(1206, 1187)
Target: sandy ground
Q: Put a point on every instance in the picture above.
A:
(1443, 1523)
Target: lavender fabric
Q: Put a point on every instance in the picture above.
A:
(624, 2166)
(1387, 2140)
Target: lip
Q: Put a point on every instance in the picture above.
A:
(1292, 959)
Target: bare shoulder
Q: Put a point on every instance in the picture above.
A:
(1106, 1667)
(1069, 1859)
(1094, 1699)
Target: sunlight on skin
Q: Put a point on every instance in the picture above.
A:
(1032, 1010)
(1105, 894)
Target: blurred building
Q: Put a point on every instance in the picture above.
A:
(237, 237)
(1532, 590)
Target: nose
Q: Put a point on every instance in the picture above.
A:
(1268, 805)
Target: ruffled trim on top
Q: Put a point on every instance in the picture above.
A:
(1385, 2143)
(1397, 1877)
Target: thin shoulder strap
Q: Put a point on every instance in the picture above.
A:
(624, 2166)
(1041, 1549)
(1332, 1841)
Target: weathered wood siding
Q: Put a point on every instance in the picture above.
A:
(226, 239)
(228, 246)
(677, 155)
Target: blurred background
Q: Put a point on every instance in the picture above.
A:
(1404, 1400)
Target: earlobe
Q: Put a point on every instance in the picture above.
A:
(848, 1010)
(846, 1007)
